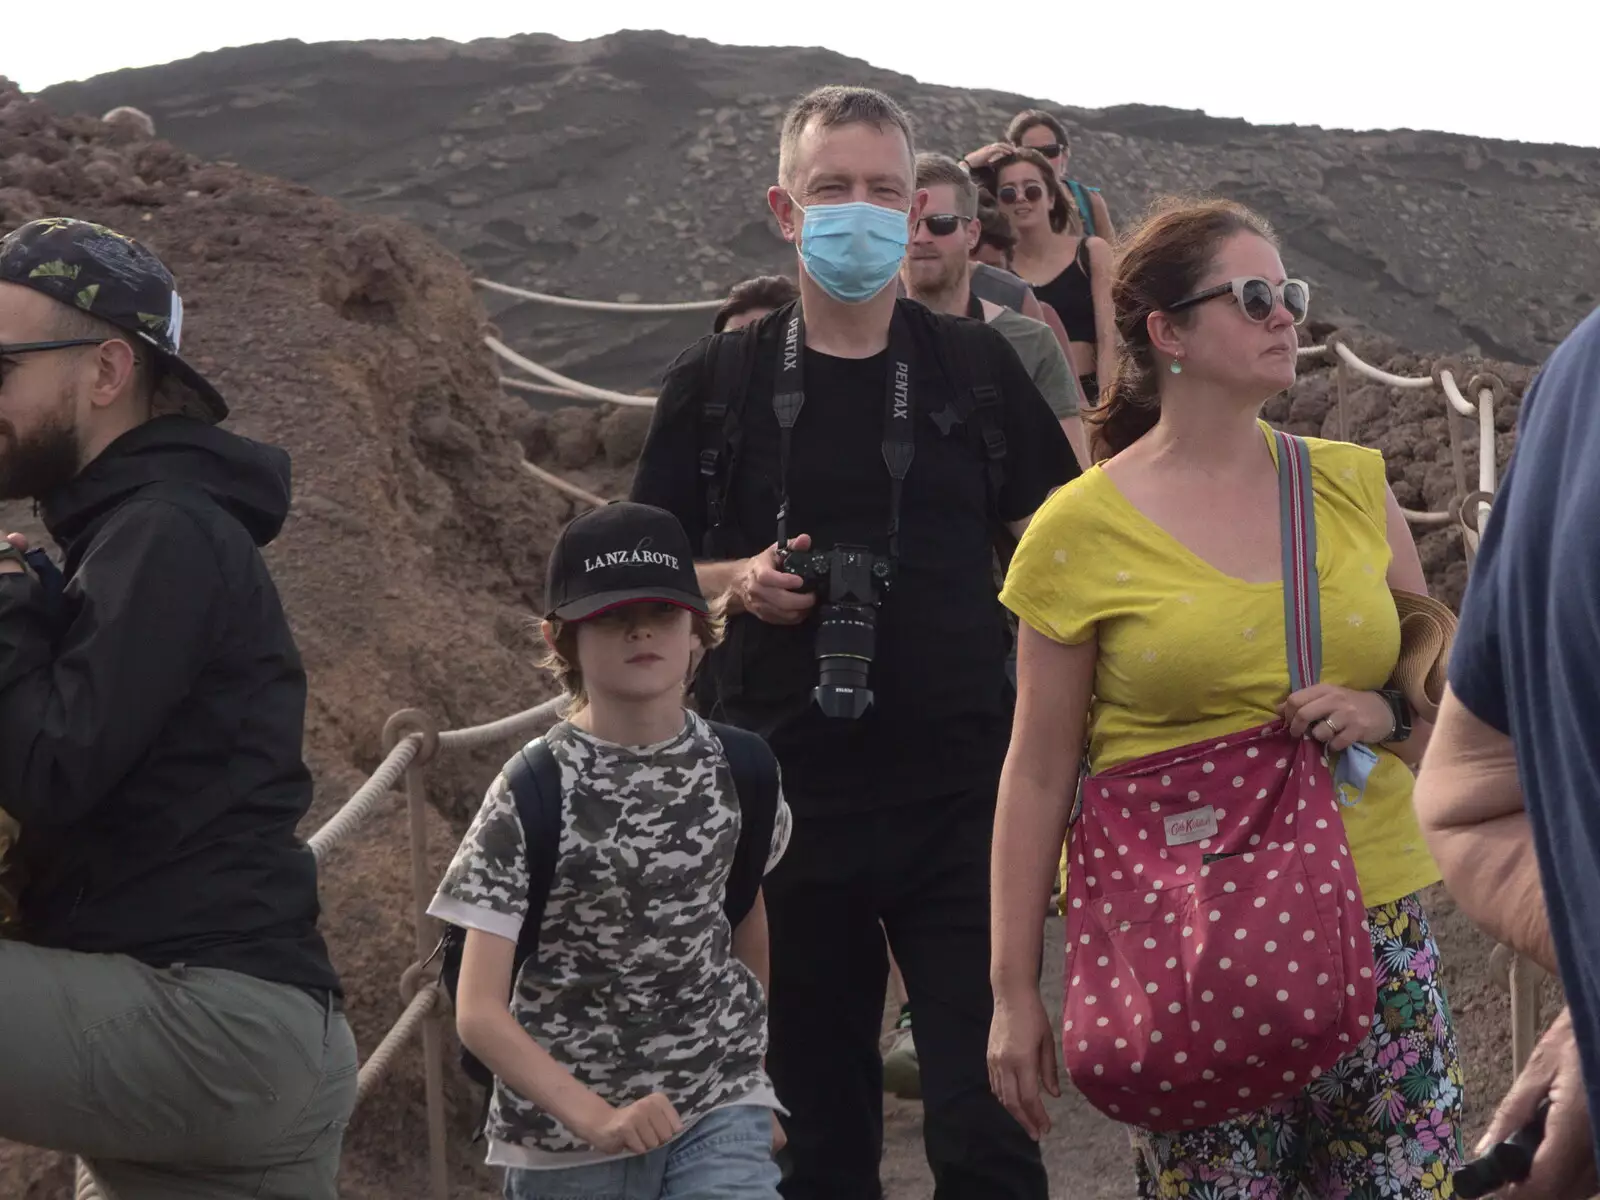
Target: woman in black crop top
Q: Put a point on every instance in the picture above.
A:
(1068, 271)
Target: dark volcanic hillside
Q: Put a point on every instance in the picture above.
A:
(635, 166)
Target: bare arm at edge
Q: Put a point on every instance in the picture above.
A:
(1469, 802)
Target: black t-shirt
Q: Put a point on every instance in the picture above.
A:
(942, 704)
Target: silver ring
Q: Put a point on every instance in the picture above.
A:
(1332, 728)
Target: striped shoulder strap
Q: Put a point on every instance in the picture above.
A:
(1302, 613)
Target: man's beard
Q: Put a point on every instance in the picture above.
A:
(948, 279)
(46, 459)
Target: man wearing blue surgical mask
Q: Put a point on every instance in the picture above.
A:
(843, 465)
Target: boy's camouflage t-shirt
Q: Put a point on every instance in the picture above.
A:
(635, 988)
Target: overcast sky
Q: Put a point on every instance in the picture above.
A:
(1522, 70)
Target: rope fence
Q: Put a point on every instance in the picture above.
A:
(581, 391)
(412, 740)
(617, 306)
(1490, 388)
(547, 389)
(564, 486)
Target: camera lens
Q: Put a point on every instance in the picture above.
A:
(846, 639)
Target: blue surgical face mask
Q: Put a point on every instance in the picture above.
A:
(853, 250)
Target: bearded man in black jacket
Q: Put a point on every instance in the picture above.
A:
(167, 1007)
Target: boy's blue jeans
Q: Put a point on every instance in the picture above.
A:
(726, 1155)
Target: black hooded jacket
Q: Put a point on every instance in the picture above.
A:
(151, 716)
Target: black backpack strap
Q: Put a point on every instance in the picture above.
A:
(755, 780)
(978, 402)
(979, 405)
(726, 372)
(535, 782)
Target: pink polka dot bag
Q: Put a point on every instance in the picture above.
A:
(1218, 954)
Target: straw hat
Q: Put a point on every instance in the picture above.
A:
(1427, 631)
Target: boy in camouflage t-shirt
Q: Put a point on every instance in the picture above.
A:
(629, 1063)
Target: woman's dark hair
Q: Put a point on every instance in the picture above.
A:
(764, 291)
(1159, 264)
(1031, 118)
(1062, 212)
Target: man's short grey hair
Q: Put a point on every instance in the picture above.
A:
(833, 106)
(934, 169)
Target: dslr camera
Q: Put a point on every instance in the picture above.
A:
(849, 582)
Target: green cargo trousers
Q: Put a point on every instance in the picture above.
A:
(187, 1083)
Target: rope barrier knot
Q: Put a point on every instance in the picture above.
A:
(1469, 504)
(1442, 366)
(1488, 379)
(408, 721)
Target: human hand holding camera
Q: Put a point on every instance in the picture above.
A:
(769, 593)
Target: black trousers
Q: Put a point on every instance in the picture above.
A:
(923, 869)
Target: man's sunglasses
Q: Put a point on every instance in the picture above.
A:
(1257, 298)
(60, 344)
(1032, 192)
(944, 224)
(35, 347)
(1049, 149)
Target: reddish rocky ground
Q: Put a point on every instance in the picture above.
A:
(414, 557)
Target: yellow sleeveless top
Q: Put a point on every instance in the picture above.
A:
(1189, 653)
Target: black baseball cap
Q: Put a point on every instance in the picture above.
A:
(624, 553)
(109, 275)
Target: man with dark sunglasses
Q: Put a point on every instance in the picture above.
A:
(168, 1011)
(938, 270)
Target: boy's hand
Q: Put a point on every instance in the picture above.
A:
(641, 1127)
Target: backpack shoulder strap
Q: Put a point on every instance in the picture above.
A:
(755, 781)
(1080, 198)
(535, 782)
(978, 401)
(728, 368)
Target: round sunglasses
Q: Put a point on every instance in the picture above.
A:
(1030, 191)
(943, 224)
(1257, 297)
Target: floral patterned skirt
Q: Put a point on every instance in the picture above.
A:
(1383, 1121)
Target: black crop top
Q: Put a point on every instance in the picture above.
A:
(1072, 296)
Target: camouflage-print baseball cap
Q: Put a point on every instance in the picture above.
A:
(109, 275)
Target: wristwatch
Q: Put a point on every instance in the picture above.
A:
(11, 553)
(1401, 710)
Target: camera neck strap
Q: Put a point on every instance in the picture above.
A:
(899, 427)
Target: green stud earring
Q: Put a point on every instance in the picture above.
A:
(1176, 368)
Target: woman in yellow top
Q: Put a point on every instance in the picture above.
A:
(1150, 593)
